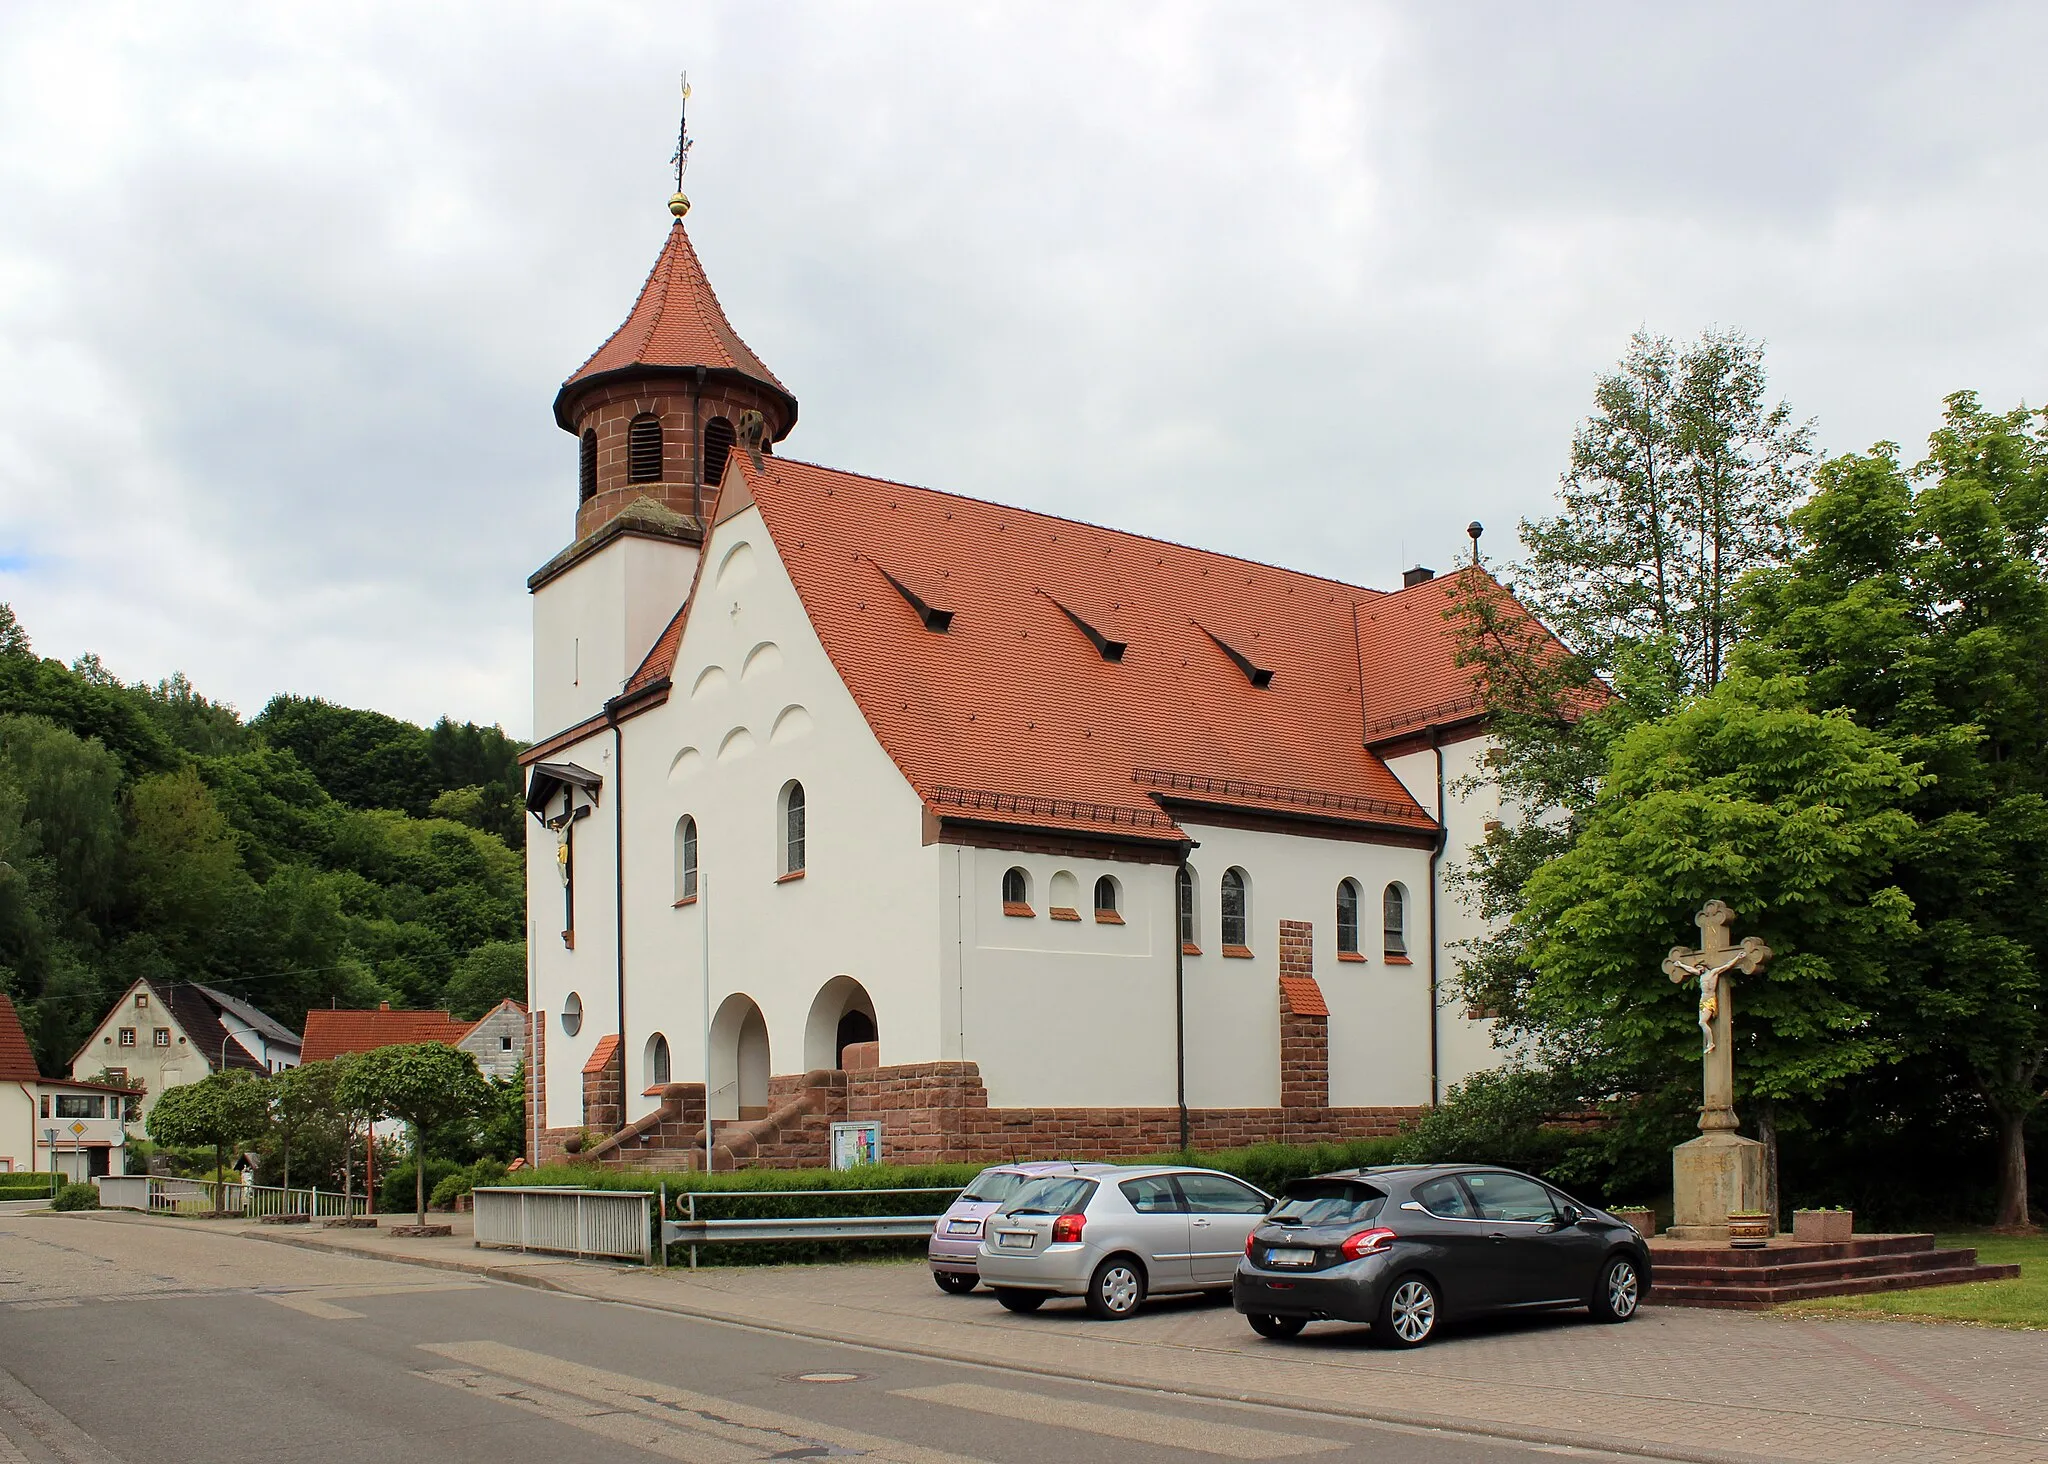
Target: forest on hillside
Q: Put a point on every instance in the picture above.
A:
(312, 855)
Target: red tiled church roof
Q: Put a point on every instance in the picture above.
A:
(1239, 685)
(17, 1059)
(676, 323)
(331, 1033)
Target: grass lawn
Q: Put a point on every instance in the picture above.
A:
(2018, 1303)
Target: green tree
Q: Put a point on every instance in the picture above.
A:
(186, 863)
(302, 1109)
(425, 1085)
(219, 1111)
(489, 974)
(1920, 604)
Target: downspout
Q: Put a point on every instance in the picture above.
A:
(1180, 999)
(1436, 853)
(619, 884)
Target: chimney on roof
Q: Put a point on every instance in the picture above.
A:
(1416, 576)
(383, 1006)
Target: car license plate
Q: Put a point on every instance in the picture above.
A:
(1015, 1239)
(1285, 1256)
(963, 1227)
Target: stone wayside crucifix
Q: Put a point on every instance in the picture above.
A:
(1720, 1173)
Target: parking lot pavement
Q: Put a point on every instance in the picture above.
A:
(1680, 1382)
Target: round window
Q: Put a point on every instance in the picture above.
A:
(572, 1014)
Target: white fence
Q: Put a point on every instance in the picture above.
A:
(616, 1224)
(158, 1194)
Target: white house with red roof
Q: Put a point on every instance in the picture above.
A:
(859, 801)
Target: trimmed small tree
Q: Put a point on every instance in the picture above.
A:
(301, 1102)
(425, 1084)
(219, 1110)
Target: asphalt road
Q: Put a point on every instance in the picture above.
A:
(148, 1343)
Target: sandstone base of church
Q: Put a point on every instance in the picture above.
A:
(938, 1113)
(1712, 1177)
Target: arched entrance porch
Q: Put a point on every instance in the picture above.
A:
(841, 1014)
(739, 1060)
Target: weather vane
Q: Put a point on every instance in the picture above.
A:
(680, 203)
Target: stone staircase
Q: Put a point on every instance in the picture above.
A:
(1684, 1274)
(796, 1131)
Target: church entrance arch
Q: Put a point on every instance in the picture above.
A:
(841, 1014)
(739, 1060)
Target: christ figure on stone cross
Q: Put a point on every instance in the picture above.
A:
(1711, 965)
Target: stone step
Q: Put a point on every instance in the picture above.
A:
(1743, 1296)
(1791, 1272)
(1783, 1249)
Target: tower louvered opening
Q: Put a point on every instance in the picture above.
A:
(718, 441)
(643, 450)
(586, 466)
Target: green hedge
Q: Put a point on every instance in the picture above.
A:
(28, 1185)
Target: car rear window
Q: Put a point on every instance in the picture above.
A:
(1328, 1202)
(1056, 1195)
(993, 1186)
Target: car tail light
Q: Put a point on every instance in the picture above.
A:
(1368, 1243)
(1068, 1227)
(1249, 1242)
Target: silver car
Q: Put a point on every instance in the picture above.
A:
(1118, 1236)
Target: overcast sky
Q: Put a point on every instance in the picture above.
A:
(285, 292)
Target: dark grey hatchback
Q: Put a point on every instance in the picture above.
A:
(1405, 1247)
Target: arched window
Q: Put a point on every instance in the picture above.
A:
(586, 466)
(686, 859)
(1396, 907)
(657, 1061)
(1236, 920)
(1188, 927)
(793, 829)
(572, 1015)
(1016, 892)
(718, 441)
(1106, 901)
(643, 450)
(1347, 918)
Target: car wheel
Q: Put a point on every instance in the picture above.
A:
(1116, 1290)
(1278, 1328)
(1408, 1313)
(955, 1283)
(1019, 1301)
(1620, 1291)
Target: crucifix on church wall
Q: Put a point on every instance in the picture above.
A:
(564, 826)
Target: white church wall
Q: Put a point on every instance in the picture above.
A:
(756, 703)
(1066, 1013)
(588, 970)
(1379, 1014)
(594, 623)
(1464, 1046)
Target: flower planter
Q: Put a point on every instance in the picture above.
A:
(1645, 1221)
(1828, 1227)
(1749, 1230)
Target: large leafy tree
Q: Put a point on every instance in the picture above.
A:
(1920, 604)
(219, 1111)
(425, 1085)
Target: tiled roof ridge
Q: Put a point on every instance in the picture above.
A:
(1135, 535)
(17, 1058)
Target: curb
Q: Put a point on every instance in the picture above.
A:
(1475, 1428)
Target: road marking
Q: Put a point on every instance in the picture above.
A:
(313, 1306)
(58, 1435)
(321, 1303)
(39, 1305)
(1227, 1439)
(696, 1426)
(631, 1429)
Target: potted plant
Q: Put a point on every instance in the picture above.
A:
(1750, 1229)
(1641, 1216)
(1828, 1225)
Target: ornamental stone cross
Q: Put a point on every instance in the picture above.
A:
(1712, 964)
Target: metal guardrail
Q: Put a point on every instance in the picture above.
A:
(696, 1232)
(164, 1195)
(605, 1224)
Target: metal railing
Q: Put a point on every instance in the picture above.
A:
(696, 1232)
(606, 1224)
(163, 1195)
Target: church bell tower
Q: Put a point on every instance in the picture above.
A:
(655, 412)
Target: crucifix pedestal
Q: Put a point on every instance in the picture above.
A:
(1720, 1173)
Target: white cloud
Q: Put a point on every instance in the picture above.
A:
(285, 294)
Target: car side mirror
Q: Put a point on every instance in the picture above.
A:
(1271, 1205)
(1569, 1216)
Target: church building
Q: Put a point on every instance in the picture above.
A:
(854, 801)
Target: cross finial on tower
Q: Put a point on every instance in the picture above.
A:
(679, 203)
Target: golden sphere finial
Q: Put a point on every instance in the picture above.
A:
(679, 204)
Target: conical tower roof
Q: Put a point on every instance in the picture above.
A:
(676, 326)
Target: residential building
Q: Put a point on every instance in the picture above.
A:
(78, 1129)
(162, 1034)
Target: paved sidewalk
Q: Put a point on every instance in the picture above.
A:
(1676, 1382)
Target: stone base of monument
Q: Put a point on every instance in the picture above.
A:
(1684, 1273)
(1712, 1177)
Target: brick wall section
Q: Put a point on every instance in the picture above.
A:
(604, 1094)
(1304, 1022)
(672, 1137)
(609, 411)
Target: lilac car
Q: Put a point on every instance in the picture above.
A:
(956, 1239)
